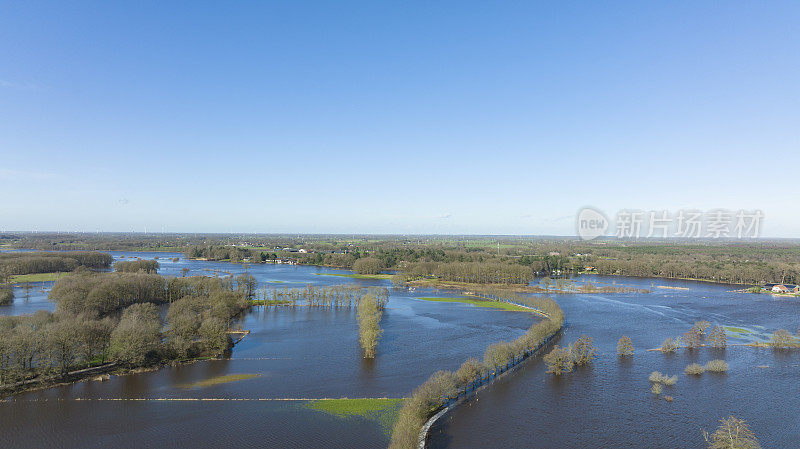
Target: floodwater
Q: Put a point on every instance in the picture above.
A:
(296, 353)
(314, 353)
(609, 404)
(28, 301)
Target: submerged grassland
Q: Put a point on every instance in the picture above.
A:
(478, 302)
(36, 277)
(210, 382)
(382, 410)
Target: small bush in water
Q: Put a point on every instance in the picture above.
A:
(717, 366)
(694, 369)
(659, 378)
(656, 389)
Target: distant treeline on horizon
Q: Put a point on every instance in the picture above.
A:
(515, 259)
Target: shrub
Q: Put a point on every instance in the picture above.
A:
(624, 347)
(669, 345)
(559, 361)
(716, 366)
(732, 433)
(694, 369)
(656, 389)
(658, 378)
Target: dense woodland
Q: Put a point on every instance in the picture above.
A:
(18, 262)
(135, 266)
(117, 317)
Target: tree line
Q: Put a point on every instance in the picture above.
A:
(370, 311)
(472, 272)
(744, 262)
(346, 296)
(443, 385)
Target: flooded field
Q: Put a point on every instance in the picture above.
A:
(260, 395)
(609, 404)
(291, 353)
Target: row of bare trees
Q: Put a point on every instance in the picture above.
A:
(445, 385)
(344, 296)
(370, 311)
(472, 272)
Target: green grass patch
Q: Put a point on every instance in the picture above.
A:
(36, 277)
(382, 410)
(480, 303)
(357, 276)
(219, 380)
(737, 330)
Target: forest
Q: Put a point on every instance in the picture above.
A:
(117, 317)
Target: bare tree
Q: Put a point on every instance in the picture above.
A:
(559, 361)
(669, 345)
(718, 337)
(625, 347)
(693, 338)
(583, 350)
(782, 339)
(732, 433)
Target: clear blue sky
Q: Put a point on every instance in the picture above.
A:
(394, 117)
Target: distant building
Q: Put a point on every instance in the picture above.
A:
(301, 250)
(780, 288)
